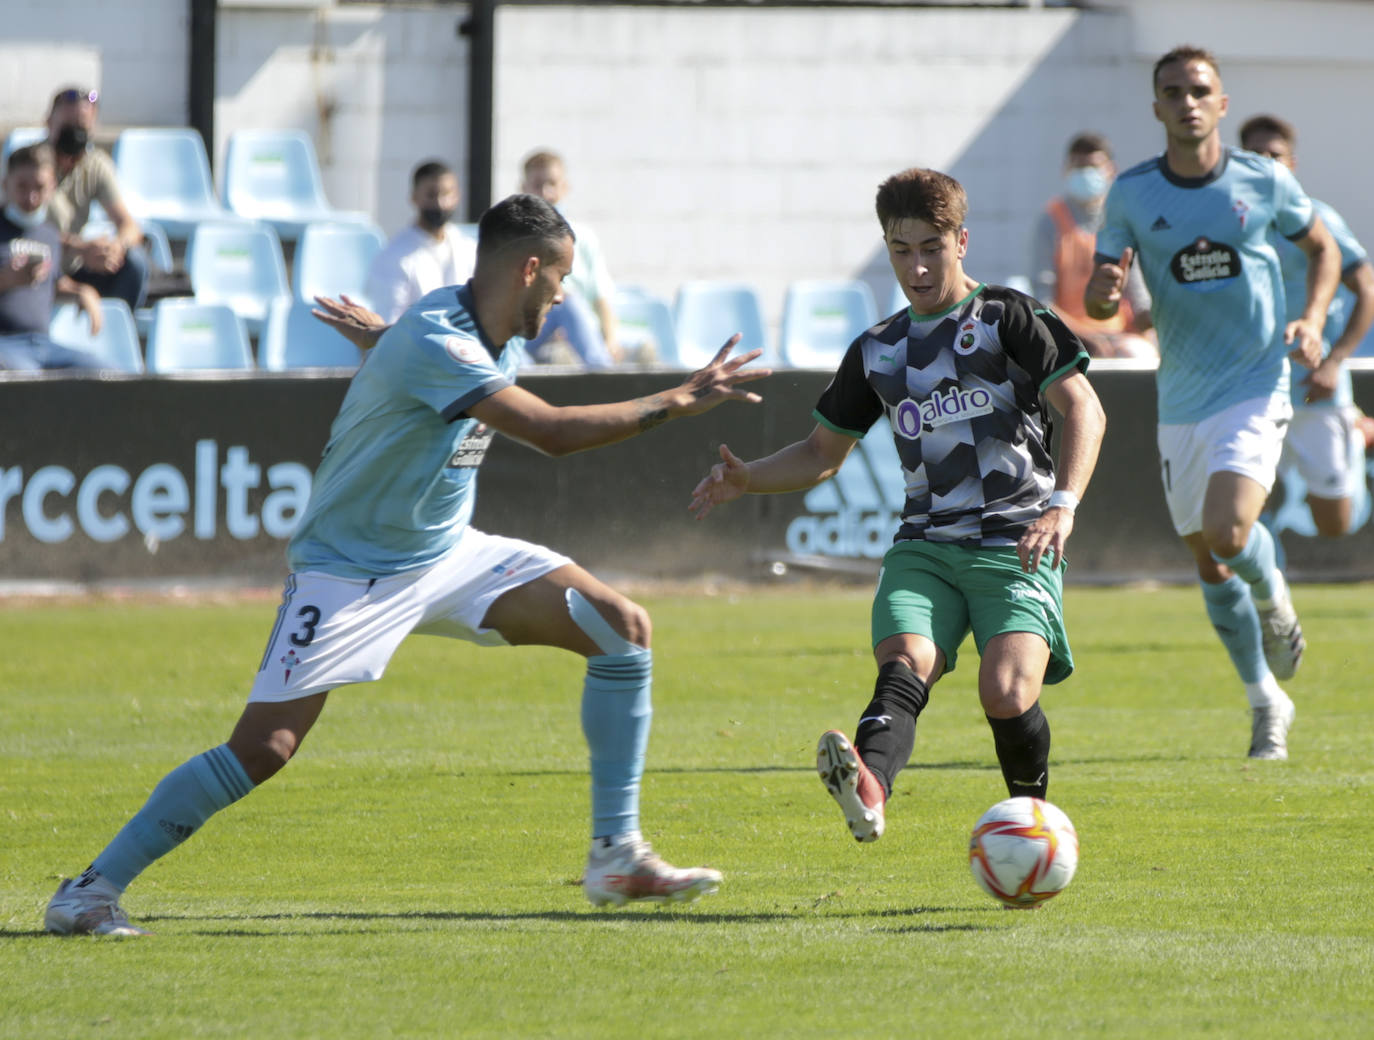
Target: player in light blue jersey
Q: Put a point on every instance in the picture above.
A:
(1324, 443)
(1198, 219)
(385, 549)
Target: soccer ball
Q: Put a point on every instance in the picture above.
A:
(1023, 851)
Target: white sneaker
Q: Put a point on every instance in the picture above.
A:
(859, 793)
(1269, 731)
(630, 871)
(1282, 634)
(83, 906)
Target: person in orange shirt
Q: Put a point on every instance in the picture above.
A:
(1062, 257)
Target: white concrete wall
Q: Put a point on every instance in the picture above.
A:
(378, 89)
(132, 51)
(748, 143)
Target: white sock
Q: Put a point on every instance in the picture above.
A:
(1267, 693)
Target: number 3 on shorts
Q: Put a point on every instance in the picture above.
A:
(309, 617)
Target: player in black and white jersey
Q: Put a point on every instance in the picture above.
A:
(962, 376)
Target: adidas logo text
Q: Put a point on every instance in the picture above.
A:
(854, 514)
(179, 831)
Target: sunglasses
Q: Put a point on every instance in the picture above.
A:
(69, 97)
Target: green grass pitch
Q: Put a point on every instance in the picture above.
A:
(414, 871)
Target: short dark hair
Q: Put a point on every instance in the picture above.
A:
(1185, 52)
(1267, 124)
(427, 169)
(919, 194)
(72, 96)
(37, 155)
(521, 219)
(1088, 142)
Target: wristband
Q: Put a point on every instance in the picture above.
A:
(1063, 500)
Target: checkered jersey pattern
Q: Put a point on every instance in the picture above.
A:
(962, 393)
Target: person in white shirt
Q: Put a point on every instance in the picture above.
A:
(430, 254)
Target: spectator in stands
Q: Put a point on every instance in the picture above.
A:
(114, 265)
(1061, 256)
(583, 328)
(29, 274)
(431, 253)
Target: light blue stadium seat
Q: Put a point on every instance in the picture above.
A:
(164, 175)
(646, 320)
(239, 265)
(707, 313)
(294, 338)
(189, 335)
(334, 258)
(18, 138)
(274, 176)
(116, 343)
(820, 319)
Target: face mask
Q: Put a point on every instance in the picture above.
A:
(17, 216)
(1085, 183)
(432, 218)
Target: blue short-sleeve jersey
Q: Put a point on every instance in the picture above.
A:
(1294, 262)
(1204, 249)
(398, 479)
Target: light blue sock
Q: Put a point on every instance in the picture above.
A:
(616, 712)
(1256, 564)
(187, 796)
(1233, 615)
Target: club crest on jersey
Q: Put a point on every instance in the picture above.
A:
(954, 405)
(967, 342)
(465, 350)
(1241, 210)
(1205, 261)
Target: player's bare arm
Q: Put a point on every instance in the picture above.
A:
(1322, 381)
(346, 316)
(1073, 397)
(562, 430)
(1323, 276)
(1107, 286)
(801, 465)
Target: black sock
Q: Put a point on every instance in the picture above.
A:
(1023, 749)
(887, 731)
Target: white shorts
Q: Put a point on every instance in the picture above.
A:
(332, 631)
(1246, 438)
(1327, 451)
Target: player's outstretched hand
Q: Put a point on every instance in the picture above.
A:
(1306, 341)
(350, 319)
(727, 480)
(719, 380)
(1045, 538)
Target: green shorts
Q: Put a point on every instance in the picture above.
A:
(944, 591)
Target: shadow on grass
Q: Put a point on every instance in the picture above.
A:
(979, 765)
(655, 915)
